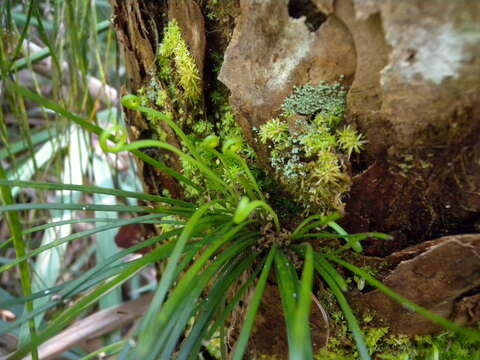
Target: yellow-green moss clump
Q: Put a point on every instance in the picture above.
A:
(309, 148)
(175, 84)
(174, 49)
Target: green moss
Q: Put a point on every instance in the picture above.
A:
(268, 357)
(308, 150)
(317, 141)
(175, 89)
(349, 140)
(382, 345)
(445, 346)
(274, 130)
(202, 127)
(326, 354)
(174, 49)
(309, 157)
(373, 336)
(213, 347)
(148, 97)
(221, 127)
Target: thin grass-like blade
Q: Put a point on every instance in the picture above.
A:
(71, 237)
(69, 314)
(226, 312)
(84, 207)
(301, 347)
(348, 313)
(21, 251)
(45, 52)
(90, 278)
(217, 295)
(288, 287)
(184, 291)
(335, 275)
(22, 145)
(168, 275)
(94, 129)
(307, 225)
(356, 246)
(107, 350)
(95, 190)
(105, 240)
(49, 264)
(241, 345)
(43, 155)
(191, 297)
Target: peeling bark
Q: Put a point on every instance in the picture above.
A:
(438, 277)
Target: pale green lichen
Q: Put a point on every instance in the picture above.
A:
(324, 99)
(309, 150)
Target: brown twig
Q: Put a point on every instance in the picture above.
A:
(93, 326)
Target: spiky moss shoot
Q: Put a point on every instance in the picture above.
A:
(308, 150)
(174, 49)
(274, 130)
(349, 140)
(318, 140)
(202, 127)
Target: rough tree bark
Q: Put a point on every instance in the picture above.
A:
(412, 69)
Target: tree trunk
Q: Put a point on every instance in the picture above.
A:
(412, 70)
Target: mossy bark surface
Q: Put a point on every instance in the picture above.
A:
(412, 70)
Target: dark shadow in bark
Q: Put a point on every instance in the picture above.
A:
(313, 17)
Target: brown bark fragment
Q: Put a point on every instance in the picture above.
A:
(467, 311)
(135, 34)
(435, 279)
